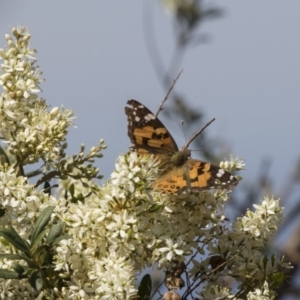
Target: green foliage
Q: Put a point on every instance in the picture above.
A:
(144, 291)
(37, 255)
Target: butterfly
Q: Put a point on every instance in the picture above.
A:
(178, 171)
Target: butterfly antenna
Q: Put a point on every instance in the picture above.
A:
(198, 133)
(168, 93)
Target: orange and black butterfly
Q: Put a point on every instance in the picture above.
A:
(178, 172)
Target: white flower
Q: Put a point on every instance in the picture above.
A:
(265, 220)
(113, 278)
(215, 292)
(261, 294)
(171, 251)
(134, 171)
(234, 164)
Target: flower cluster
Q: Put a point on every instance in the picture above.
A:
(110, 231)
(21, 204)
(33, 132)
(218, 292)
(129, 220)
(131, 170)
(240, 253)
(264, 221)
(234, 164)
(30, 130)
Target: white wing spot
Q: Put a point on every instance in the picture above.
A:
(137, 119)
(149, 117)
(141, 106)
(220, 173)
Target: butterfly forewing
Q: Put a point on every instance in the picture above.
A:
(145, 130)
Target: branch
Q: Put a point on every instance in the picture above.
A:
(47, 177)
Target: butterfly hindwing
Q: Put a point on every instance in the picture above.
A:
(195, 174)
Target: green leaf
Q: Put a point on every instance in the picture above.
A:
(273, 260)
(39, 253)
(72, 189)
(277, 278)
(17, 257)
(2, 152)
(55, 232)
(47, 188)
(85, 184)
(144, 291)
(37, 241)
(18, 268)
(155, 208)
(265, 262)
(36, 280)
(37, 250)
(2, 211)
(80, 197)
(8, 274)
(11, 256)
(60, 238)
(41, 222)
(10, 235)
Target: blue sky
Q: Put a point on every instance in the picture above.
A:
(94, 58)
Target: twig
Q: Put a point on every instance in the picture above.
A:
(156, 290)
(199, 132)
(168, 93)
(191, 288)
(47, 177)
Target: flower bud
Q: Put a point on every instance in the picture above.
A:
(54, 112)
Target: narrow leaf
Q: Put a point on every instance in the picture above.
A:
(55, 231)
(2, 211)
(47, 188)
(37, 241)
(41, 222)
(8, 274)
(72, 189)
(144, 291)
(10, 235)
(60, 238)
(17, 257)
(18, 268)
(3, 153)
(39, 254)
(11, 256)
(85, 184)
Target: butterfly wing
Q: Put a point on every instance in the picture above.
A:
(195, 174)
(146, 132)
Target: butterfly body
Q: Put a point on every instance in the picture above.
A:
(178, 172)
